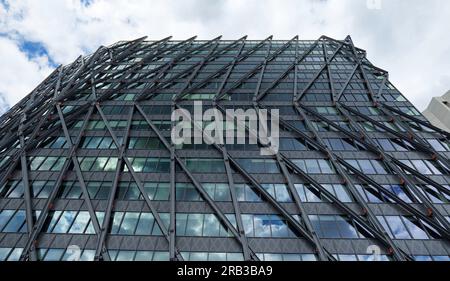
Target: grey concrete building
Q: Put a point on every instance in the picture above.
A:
(438, 112)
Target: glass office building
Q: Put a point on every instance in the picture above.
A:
(88, 170)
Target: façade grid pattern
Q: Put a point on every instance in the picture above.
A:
(87, 167)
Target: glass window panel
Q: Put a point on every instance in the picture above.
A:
(151, 165)
(36, 187)
(52, 220)
(222, 192)
(5, 216)
(421, 167)
(441, 258)
(194, 225)
(117, 219)
(80, 223)
(273, 257)
(435, 195)
(125, 255)
(150, 188)
(256, 166)
(138, 164)
(87, 255)
(59, 164)
(46, 189)
(111, 165)
(59, 142)
(232, 219)
(163, 166)
(145, 224)
(161, 256)
(41, 253)
(398, 190)
(348, 145)
(165, 220)
(90, 229)
(270, 189)
(251, 195)
(312, 166)
(54, 254)
(416, 231)
(48, 163)
(300, 163)
(291, 257)
(163, 192)
(278, 227)
(308, 257)
(271, 167)
(433, 167)
(74, 191)
(262, 225)
(16, 189)
(103, 192)
(325, 166)
(181, 220)
(306, 195)
(92, 188)
(347, 258)
(247, 221)
(143, 256)
(329, 227)
(36, 162)
(300, 189)
(373, 195)
(386, 145)
(398, 228)
(240, 192)
(93, 144)
(129, 223)
(281, 193)
(106, 143)
(211, 225)
(86, 163)
(196, 256)
(310, 195)
(342, 194)
(16, 222)
(187, 192)
(217, 257)
(132, 193)
(15, 254)
(64, 222)
(346, 228)
(366, 167)
(383, 222)
(4, 252)
(99, 164)
(336, 144)
(422, 258)
(210, 189)
(371, 258)
(436, 144)
(398, 145)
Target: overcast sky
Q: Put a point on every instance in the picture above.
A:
(409, 38)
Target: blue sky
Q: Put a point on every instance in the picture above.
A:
(409, 38)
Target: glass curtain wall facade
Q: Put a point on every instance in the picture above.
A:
(88, 170)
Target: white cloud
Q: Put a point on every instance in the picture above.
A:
(18, 74)
(406, 37)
